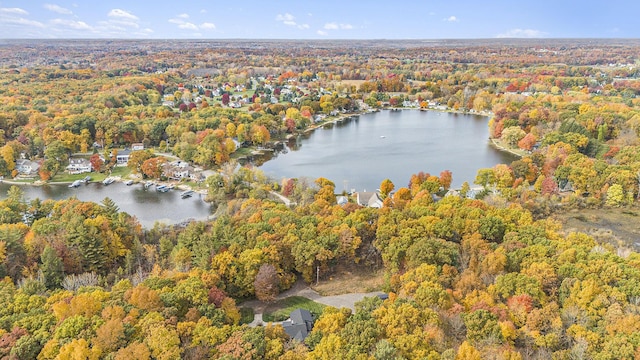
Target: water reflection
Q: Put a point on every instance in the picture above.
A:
(362, 151)
(147, 205)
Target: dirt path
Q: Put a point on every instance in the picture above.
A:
(303, 290)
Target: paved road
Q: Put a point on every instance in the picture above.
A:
(301, 289)
(285, 200)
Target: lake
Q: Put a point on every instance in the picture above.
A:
(147, 205)
(360, 152)
(355, 154)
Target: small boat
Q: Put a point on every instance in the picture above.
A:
(382, 136)
(162, 188)
(75, 184)
(86, 179)
(128, 182)
(186, 194)
(148, 184)
(108, 181)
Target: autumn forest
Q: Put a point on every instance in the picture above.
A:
(486, 271)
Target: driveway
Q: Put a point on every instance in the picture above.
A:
(303, 290)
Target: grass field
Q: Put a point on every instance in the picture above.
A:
(121, 171)
(616, 226)
(246, 315)
(354, 280)
(280, 310)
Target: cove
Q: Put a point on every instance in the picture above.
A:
(147, 205)
(359, 152)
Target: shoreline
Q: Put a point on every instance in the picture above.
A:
(310, 129)
(504, 149)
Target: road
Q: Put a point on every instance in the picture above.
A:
(285, 200)
(301, 289)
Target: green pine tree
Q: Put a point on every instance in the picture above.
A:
(52, 268)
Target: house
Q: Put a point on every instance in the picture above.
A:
(137, 146)
(369, 199)
(341, 200)
(299, 324)
(178, 170)
(197, 176)
(78, 166)
(27, 167)
(122, 157)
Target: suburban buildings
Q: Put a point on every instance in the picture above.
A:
(299, 324)
(78, 166)
(369, 199)
(27, 167)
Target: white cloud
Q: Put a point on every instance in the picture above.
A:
(451, 19)
(522, 33)
(336, 26)
(322, 33)
(331, 26)
(289, 20)
(121, 14)
(16, 11)
(203, 11)
(285, 17)
(188, 26)
(183, 16)
(57, 9)
(191, 26)
(77, 25)
(20, 21)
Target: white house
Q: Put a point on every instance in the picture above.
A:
(78, 166)
(178, 170)
(137, 146)
(122, 157)
(27, 167)
(369, 199)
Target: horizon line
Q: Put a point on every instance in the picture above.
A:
(330, 39)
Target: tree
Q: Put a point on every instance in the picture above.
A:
(527, 142)
(464, 190)
(492, 228)
(152, 167)
(615, 195)
(225, 99)
(267, 283)
(137, 158)
(8, 155)
(467, 352)
(96, 162)
(512, 135)
(55, 157)
(386, 187)
(485, 177)
(135, 350)
(481, 324)
(52, 268)
(445, 179)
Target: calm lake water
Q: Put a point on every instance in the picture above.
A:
(148, 205)
(361, 152)
(355, 154)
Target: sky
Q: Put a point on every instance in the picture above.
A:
(310, 19)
